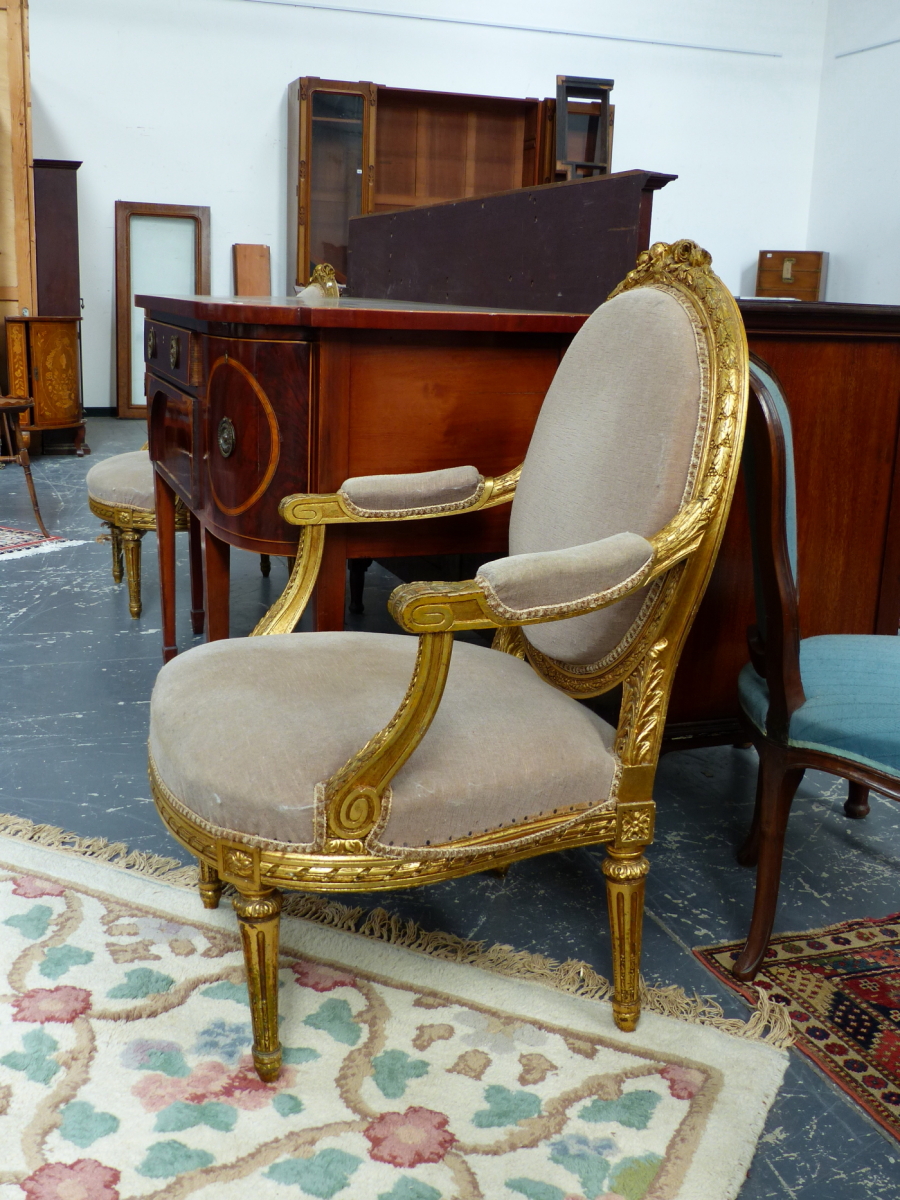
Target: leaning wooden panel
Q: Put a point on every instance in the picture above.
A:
(18, 289)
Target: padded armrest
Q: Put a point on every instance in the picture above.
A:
(412, 494)
(528, 587)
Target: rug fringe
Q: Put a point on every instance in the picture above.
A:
(61, 544)
(770, 1023)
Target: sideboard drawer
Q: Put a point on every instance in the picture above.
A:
(173, 439)
(173, 352)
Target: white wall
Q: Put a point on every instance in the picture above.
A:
(855, 199)
(183, 101)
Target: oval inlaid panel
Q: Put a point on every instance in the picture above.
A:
(238, 479)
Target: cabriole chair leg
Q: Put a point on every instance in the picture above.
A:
(115, 538)
(210, 886)
(778, 784)
(131, 543)
(625, 872)
(856, 806)
(259, 914)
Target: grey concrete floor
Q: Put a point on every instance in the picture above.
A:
(77, 674)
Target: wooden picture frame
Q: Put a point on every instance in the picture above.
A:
(125, 210)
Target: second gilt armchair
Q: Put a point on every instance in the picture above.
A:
(335, 762)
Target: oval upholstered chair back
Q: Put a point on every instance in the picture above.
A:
(616, 448)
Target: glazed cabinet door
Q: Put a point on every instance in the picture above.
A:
(331, 134)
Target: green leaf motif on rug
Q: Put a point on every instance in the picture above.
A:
(286, 1105)
(228, 991)
(59, 959)
(592, 1170)
(532, 1190)
(32, 924)
(633, 1110)
(506, 1107)
(407, 1188)
(323, 1175)
(83, 1125)
(336, 1018)
(139, 983)
(632, 1177)
(393, 1069)
(35, 1059)
(172, 1158)
(181, 1115)
(294, 1056)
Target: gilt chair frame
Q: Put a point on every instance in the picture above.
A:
(683, 554)
(776, 657)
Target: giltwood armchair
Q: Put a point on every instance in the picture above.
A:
(348, 761)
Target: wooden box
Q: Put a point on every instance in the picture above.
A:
(798, 274)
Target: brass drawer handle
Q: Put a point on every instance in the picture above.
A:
(174, 352)
(151, 343)
(226, 437)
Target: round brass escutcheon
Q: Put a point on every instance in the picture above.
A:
(174, 352)
(226, 437)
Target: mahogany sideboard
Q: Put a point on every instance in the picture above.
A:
(317, 395)
(304, 398)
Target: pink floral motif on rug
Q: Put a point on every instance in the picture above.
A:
(125, 1073)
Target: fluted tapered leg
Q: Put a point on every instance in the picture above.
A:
(210, 886)
(625, 872)
(259, 915)
(115, 537)
(131, 544)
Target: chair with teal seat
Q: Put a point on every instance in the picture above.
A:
(829, 703)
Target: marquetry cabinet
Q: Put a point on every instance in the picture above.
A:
(358, 148)
(43, 363)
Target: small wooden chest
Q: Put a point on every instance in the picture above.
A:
(799, 274)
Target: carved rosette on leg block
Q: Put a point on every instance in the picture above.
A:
(210, 885)
(625, 871)
(259, 914)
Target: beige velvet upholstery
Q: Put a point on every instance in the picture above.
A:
(615, 448)
(124, 479)
(302, 704)
(533, 585)
(423, 491)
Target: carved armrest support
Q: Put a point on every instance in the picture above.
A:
(288, 608)
(354, 795)
(337, 508)
(478, 604)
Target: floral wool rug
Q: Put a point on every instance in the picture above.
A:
(125, 1070)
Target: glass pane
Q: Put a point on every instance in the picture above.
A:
(336, 169)
(162, 264)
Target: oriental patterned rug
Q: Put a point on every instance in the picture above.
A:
(841, 988)
(16, 543)
(125, 1072)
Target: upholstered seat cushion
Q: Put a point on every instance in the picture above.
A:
(852, 687)
(241, 731)
(124, 479)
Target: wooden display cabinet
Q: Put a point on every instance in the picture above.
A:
(358, 148)
(43, 362)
